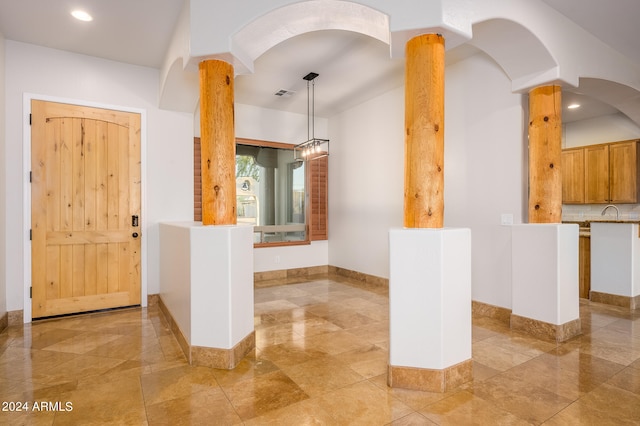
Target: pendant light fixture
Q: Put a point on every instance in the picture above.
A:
(313, 148)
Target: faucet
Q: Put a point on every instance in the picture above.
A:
(611, 205)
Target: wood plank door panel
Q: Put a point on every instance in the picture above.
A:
(85, 189)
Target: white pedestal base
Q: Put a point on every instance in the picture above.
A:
(430, 297)
(615, 264)
(545, 293)
(207, 287)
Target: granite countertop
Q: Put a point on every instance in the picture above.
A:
(585, 225)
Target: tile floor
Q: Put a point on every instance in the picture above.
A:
(320, 359)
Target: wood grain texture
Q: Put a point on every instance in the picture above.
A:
(623, 172)
(85, 188)
(318, 185)
(573, 190)
(424, 132)
(596, 176)
(217, 139)
(545, 155)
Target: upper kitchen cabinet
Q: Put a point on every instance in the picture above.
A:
(596, 176)
(573, 176)
(601, 174)
(623, 172)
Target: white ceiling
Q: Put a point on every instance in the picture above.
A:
(352, 68)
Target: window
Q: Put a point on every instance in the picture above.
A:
(284, 199)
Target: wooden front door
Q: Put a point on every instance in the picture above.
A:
(85, 208)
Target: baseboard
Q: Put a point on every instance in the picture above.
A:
(362, 278)
(271, 278)
(428, 380)
(226, 359)
(175, 329)
(281, 276)
(153, 299)
(4, 322)
(630, 302)
(480, 309)
(15, 317)
(546, 331)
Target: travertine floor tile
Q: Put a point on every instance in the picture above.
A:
(628, 379)
(321, 375)
(321, 358)
(209, 406)
(176, 382)
(497, 357)
(307, 412)
(526, 401)
(463, 408)
(363, 404)
(606, 405)
(257, 396)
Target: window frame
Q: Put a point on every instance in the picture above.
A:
(313, 231)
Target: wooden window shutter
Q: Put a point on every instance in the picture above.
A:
(318, 198)
(197, 181)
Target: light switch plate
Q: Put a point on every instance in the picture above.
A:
(506, 219)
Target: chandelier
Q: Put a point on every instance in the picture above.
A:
(313, 148)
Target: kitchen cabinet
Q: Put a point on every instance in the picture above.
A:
(601, 174)
(623, 172)
(584, 268)
(573, 176)
(596, 174)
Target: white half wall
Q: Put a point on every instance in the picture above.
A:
(545, 272)
(167, 157)
(615, 258)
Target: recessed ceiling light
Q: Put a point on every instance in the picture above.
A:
(81, 15)
(573, 106)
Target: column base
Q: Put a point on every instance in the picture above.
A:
(224, 359)
(615, 300)
(425, 379)
(546, 331)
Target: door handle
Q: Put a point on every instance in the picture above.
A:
(134, 235)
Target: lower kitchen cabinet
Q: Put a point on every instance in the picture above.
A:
(584, 266)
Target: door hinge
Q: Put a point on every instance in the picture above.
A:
(30, 292)
(30, 177)
(30, 234)
(30, 115)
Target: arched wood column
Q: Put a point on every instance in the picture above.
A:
(424, 132)
(217, 138)
(545, 153)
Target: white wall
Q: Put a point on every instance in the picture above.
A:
(485, 175)
(3, 204)
(485, 169)
(607, 128)
(366, 183)
(167, 160)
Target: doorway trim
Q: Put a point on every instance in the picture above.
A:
(26, 192)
